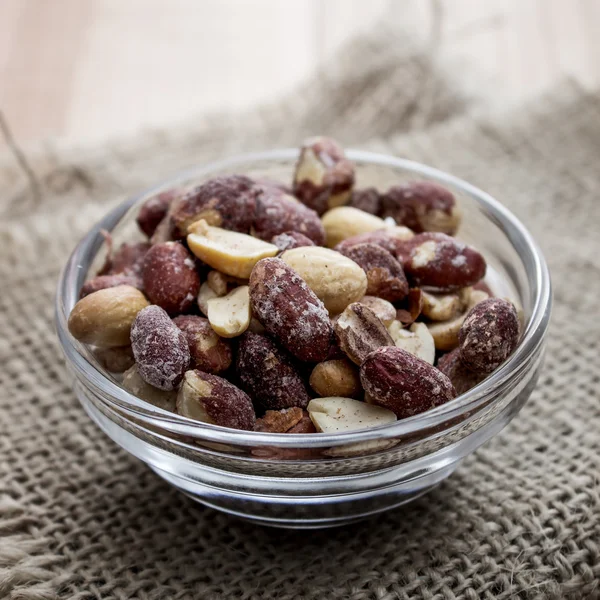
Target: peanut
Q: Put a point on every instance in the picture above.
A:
(154, 210)
(269, 374)
(422, 206)
(336, 280)
(402, 383)
(104, 318)
(462, 378)
(133, 383)
(445, 333)
(385, 276)
(160, 348)
(441, 307)
(488, 335)
(279, 421)
(359, 332)
(345, 222)
(230, 252)
(335, 414)
(101, 282)
(336, 378)
(323, 177)
(205, 294)
(115, 360)
(170, 277)
(392, 239)
(212, 399)
(417, 340)
(439, 261)
(227, 202)
(277, 213)
(289, 310)
(221, 283)
(230, 315)
(382, 308)
(208, 351)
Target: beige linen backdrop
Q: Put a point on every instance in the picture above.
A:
(79, 518)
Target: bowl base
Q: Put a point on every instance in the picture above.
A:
(303, 512)
(291, 502)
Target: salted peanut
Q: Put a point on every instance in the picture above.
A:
(269, 374)
(445, 333)
(335, 279)
(115, 360)
(227, 251)
(209, 352)
(128, 259)
(279, 421)
(170, 278)
(228, 202)
(336, 415)
(212, 399)
(336, 378)
(462, 378)
(410, 307)
(133, 383)
(385, 310)
(104, 318)
(230, 315)
(416, 339)
(385, 276)
(489, 335)
(367, 199)
(289, 310)
(440, 262)
(403, 383)
(360, 331)
(101, 282)
(154, 210)
(441, 307)
(205, 294)
(345, 222)
(277, 212)
(422, 206)
(160, 348)
(324, 176)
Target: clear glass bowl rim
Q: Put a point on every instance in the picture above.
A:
(515, 231)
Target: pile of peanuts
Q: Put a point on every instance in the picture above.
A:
(315, 308)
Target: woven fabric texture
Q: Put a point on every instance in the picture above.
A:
(81, 519)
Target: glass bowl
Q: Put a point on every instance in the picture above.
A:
(320, 480)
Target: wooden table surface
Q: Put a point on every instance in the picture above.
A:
(95, 69)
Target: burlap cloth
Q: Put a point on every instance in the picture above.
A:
(79, 518)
